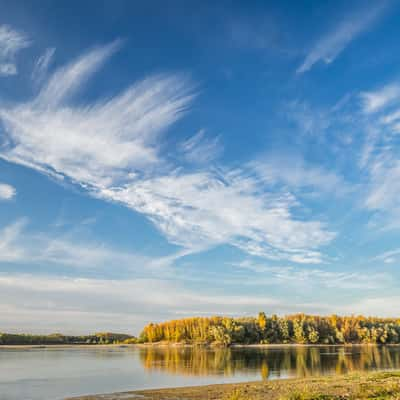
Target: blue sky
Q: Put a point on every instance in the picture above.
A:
(160, 161)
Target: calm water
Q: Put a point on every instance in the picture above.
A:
(51, 374)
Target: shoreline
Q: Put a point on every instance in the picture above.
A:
(372, 385)
(261, 346)
(188, 345)
(62, 346)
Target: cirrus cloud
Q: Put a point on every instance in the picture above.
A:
(111, 147)
(329, 46)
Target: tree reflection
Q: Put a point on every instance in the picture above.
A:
(271, 362)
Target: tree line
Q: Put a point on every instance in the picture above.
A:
(57, 338)
(298, 328)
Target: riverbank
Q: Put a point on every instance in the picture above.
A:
(260, 346)
(62, 346)
(188, 345)
(379, 385)
(183, 345)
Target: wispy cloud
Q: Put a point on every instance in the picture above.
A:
(200, 149)
(41, 66)
(7, 192)
(9, 249)
(295, 173)
(21, 247)
(371, 119)
(376, 100)
(383, 305)
(384, 177)
(111, 147)
(309, 120)
(329, 46)
(388, 257)
(379, 157)
(67, 81)
(82, 305)
(313, 277)
(11, 42)
(200, 210)
(95, 144)
(47, 303)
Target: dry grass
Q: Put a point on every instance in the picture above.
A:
(377, 386)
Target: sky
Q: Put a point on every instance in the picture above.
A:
(167, 160)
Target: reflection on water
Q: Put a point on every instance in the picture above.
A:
(56, 373)
(270, 363)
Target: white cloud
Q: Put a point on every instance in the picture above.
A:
(45, 303)
(385, 185)
(78, 305)
(294, 172)
(95, 144)
(300, 277)
(392, 117)
(7, 192)
(42, 64)
(376, 100)
(111, 147)
(328, 47)
(68, 80)
(379, 156)
(388, 257)
(200, 210)
(53, 303)
(19, 246)
(11, 42)
(309, 120)
(374, 124)
(9, 249)
(382, 306)
(199, 149)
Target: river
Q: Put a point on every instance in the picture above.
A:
(56, 373)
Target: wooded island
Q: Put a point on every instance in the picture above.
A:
(296, 329)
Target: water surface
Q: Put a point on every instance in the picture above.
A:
(56, 373)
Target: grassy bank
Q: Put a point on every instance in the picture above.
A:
(378, 386)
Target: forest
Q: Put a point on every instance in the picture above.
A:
(57, 338)
(296, 329)
(225, 331)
